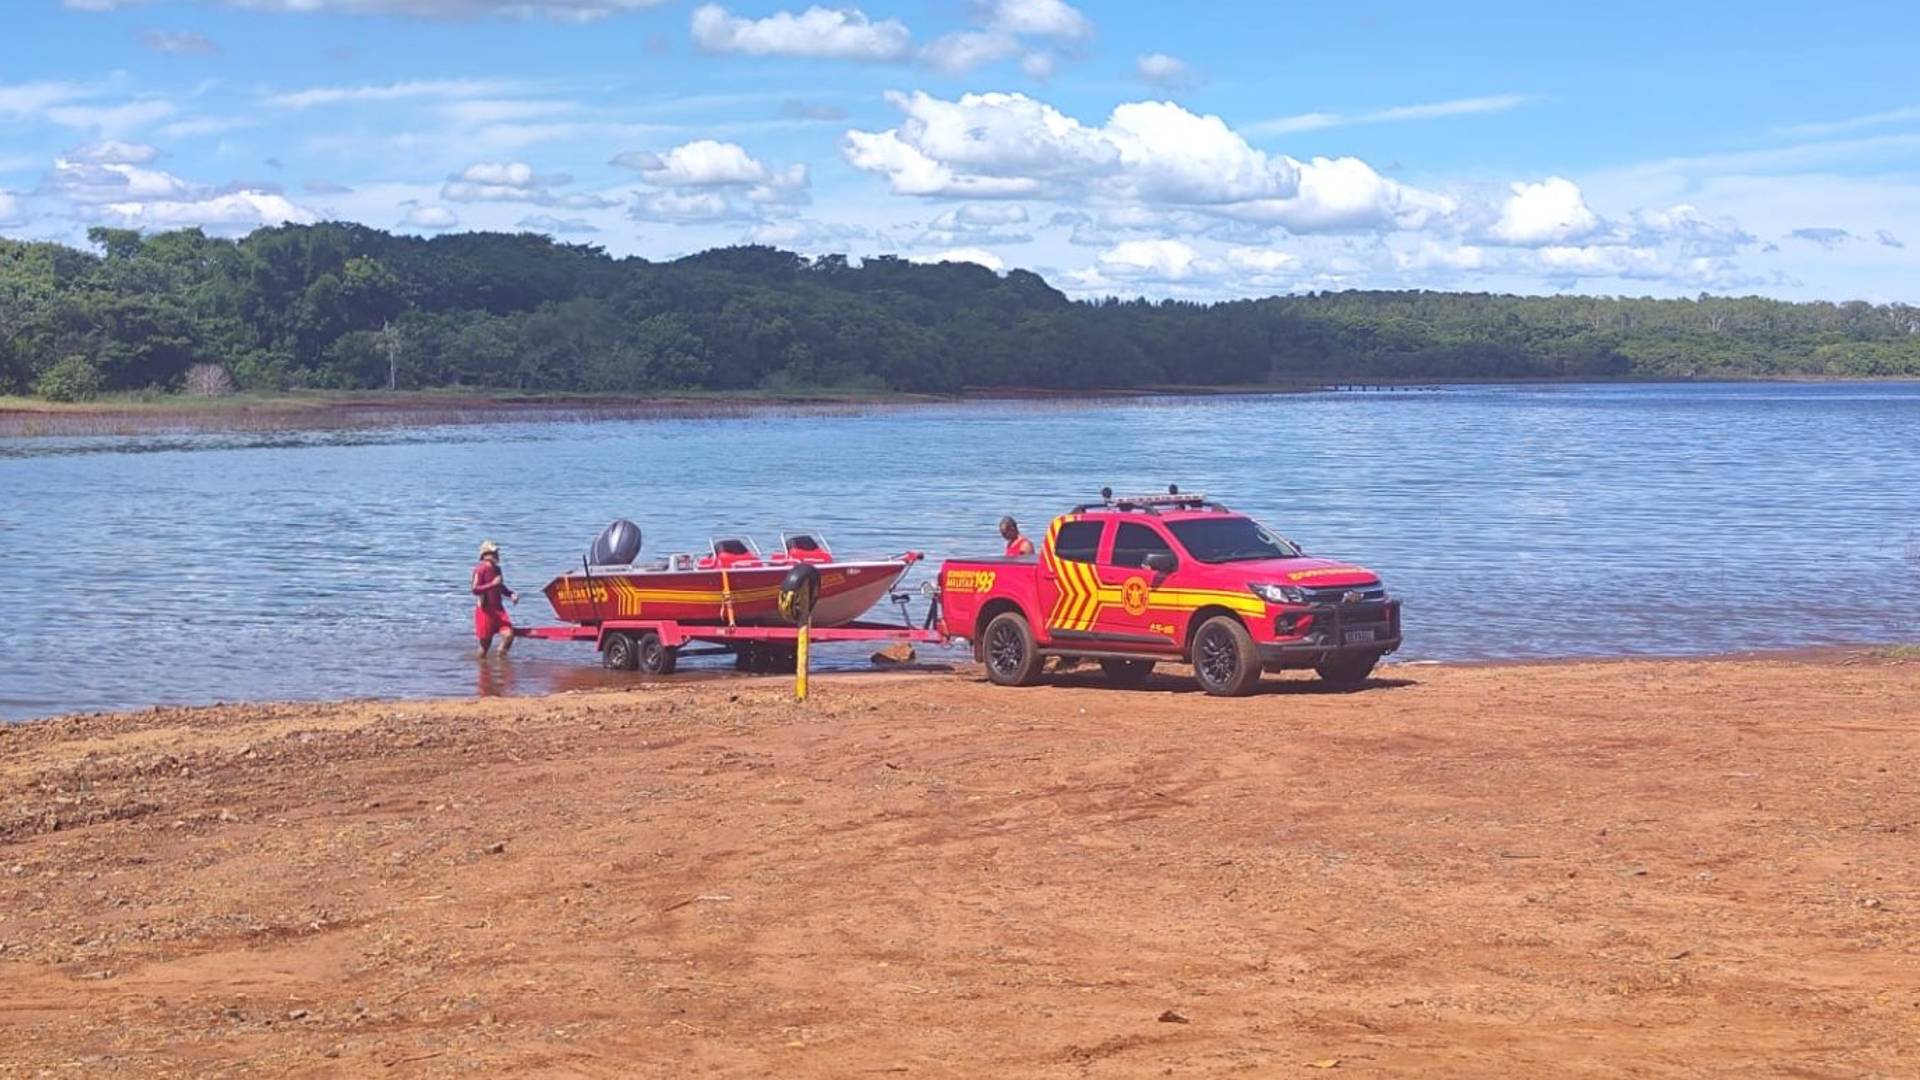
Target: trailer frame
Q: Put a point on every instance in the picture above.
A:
(757, 646)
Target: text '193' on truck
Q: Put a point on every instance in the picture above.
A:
(1134, 581)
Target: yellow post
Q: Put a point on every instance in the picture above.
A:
(800, 663)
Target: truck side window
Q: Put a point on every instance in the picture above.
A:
(1078, 541)
(1133, 543)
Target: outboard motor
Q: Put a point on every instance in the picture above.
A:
(617, 545)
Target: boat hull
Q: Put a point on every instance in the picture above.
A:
(742, 596)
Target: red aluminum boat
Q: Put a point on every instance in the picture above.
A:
(732, 585)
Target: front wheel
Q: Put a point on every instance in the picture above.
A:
(1012, 659)
(1128, 672)
(1225, 662)
(1348, 672)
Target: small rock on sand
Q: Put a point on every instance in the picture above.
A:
(894, 654)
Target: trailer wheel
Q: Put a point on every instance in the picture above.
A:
(1348, 672)
(1012, 659)
(1225, 663)
(618, 653)
(655, 658)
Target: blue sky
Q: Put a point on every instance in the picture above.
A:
(1203, 150)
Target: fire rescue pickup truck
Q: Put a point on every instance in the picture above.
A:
(1135, 581)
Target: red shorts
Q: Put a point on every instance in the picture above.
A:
(488, 623)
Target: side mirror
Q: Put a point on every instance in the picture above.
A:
(1162, 562)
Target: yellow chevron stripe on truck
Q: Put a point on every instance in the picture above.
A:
(1083, 596)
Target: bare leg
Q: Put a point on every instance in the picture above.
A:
(485, 644)
(506, 641)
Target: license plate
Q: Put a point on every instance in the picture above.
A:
(1358, 635)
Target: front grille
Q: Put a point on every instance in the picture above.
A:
(1337, 594)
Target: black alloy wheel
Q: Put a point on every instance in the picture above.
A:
(1225, 663)
(1012, 659)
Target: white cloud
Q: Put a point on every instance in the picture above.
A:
(1039, 18)
(798, 235)
(1261, 261)
(199, 127)
(177, 43)
(1687, 228)
(400, 91)
(978, 256)
(977, 223)
(113, 152)
(1038, 64)
(816, 33)
(708, 180)
(31, 100)
(547, 223)
(11, 212)
(1159, 260)
(95, 181)
(111, 119)
(701, 163)
(1437, 255)
(961, 52)
(232, 212)
(1550, 212)
(1432, 110)
(687, 207)
(430, 218)
(1901, 115)
(1148, 154)
(565, 10)
(1165, 71)
(516, 181)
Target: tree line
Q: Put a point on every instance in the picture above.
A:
(342, 306)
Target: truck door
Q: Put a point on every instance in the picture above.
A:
(1129, 618)
(1066, 572)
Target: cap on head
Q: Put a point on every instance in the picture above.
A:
(489, 548)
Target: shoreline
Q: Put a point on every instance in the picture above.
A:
(1854, 653)
(1692, 866)
(22, 417)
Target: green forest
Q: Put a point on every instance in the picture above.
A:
(339, 306)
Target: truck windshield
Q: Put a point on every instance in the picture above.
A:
(1230, 539)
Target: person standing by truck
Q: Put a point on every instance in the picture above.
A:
(490, 594)
(1018, 547)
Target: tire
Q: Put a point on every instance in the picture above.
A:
(1348, 672)
(1128, 673)
(1225, 663)
(618, 652)
(1007, 645)
(654, 658)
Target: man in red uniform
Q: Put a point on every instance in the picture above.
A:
(490, 594)
(1017, 546)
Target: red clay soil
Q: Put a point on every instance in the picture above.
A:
(1622, 869)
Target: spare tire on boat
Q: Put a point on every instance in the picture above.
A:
(617, 545)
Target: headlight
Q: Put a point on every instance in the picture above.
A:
(1279, 594)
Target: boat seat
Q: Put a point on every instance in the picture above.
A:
(802, 547)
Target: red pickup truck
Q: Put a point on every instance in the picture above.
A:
(1131, 582)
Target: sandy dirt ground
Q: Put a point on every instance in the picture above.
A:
(1610, 869)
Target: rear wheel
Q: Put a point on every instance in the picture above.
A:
(653, 657)
(1128, 672)
(1225, 662)
(1012, 659)
(619, 652)
(1348, 671)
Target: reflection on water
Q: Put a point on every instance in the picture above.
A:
(1515, 521)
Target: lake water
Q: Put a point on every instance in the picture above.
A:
(1514, 521)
